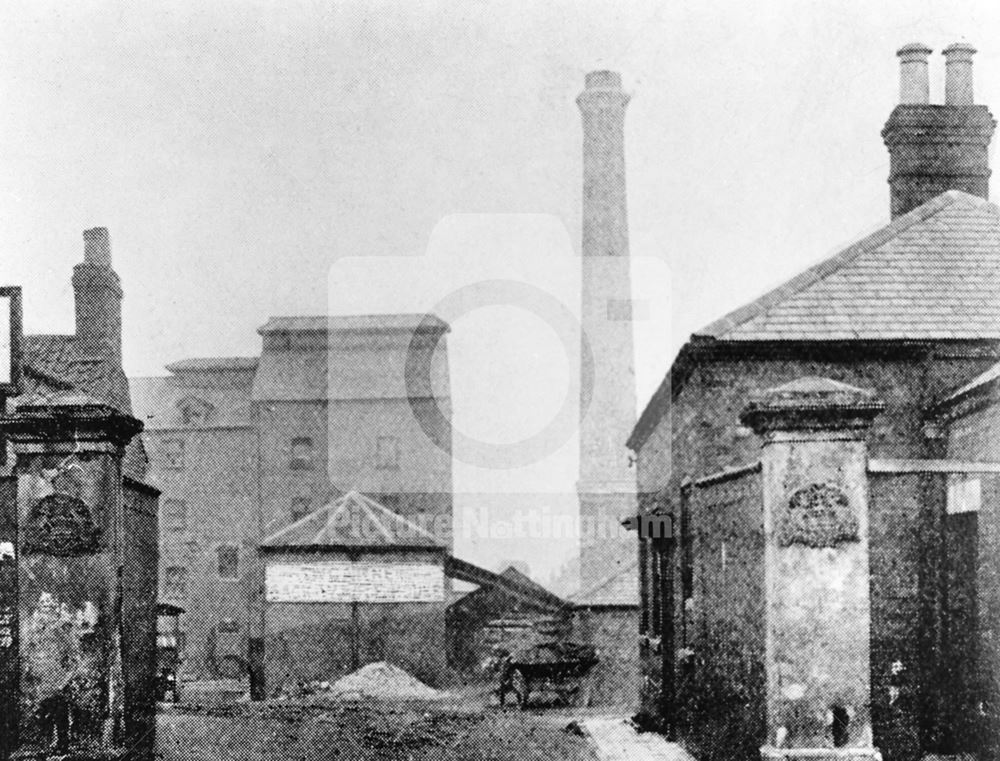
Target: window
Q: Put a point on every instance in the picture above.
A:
(175, 582)
(301, 507)
(195, 412)
(302, 453)
(229, 561)
(387, 453)
(173, 454)
(174, 515)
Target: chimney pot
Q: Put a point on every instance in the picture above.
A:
(914, 84)
(958, 74)
(97, 247)
(603, 80)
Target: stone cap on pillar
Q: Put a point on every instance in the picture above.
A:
(812, 403)
(68, 416)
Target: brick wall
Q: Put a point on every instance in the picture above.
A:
(218, 486)
(139, 582)
(615, 679)
(720, 686)
(974, 437)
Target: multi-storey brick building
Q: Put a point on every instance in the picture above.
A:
(906, 314)
(244, 446)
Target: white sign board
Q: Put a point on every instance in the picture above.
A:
(964, 495)
(353, 581)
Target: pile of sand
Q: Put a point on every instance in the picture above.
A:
(383, 680)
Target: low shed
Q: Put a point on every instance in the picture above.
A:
(349, 584)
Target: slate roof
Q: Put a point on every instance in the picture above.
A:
(353, 520)
(930, 274)
(618, 589)
(933, 273)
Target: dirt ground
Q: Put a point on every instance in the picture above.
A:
(459, 731)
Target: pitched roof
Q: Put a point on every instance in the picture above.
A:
(933, 273)
(620, 588)
(358, 322)
(67, 362)
(353, 520)
(930, 274)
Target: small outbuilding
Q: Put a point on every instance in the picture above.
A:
(349, 584)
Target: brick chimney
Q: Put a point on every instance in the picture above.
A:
(934, 148)
(98, 294)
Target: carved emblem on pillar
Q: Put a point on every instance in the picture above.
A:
(818, 515)
(61, 525)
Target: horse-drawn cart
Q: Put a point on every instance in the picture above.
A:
(558, 667)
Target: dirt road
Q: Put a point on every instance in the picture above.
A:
(363, 732)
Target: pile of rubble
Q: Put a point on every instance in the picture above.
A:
(379, 680)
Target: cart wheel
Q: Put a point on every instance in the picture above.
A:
(521, 687)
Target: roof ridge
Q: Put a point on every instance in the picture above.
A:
(828, 266)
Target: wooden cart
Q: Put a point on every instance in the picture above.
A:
(559, 667)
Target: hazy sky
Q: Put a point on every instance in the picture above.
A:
(254, 158)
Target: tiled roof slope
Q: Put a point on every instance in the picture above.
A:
(933, 273)
(59, 360)
(353, 520)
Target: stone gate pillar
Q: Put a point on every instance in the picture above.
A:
(814, 470)
(69, 554)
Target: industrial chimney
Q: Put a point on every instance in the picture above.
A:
(606, 486)
(98, 296)
(934, 148)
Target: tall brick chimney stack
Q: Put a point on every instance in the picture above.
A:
(98, 295)
(606, 486)
(934, 148)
